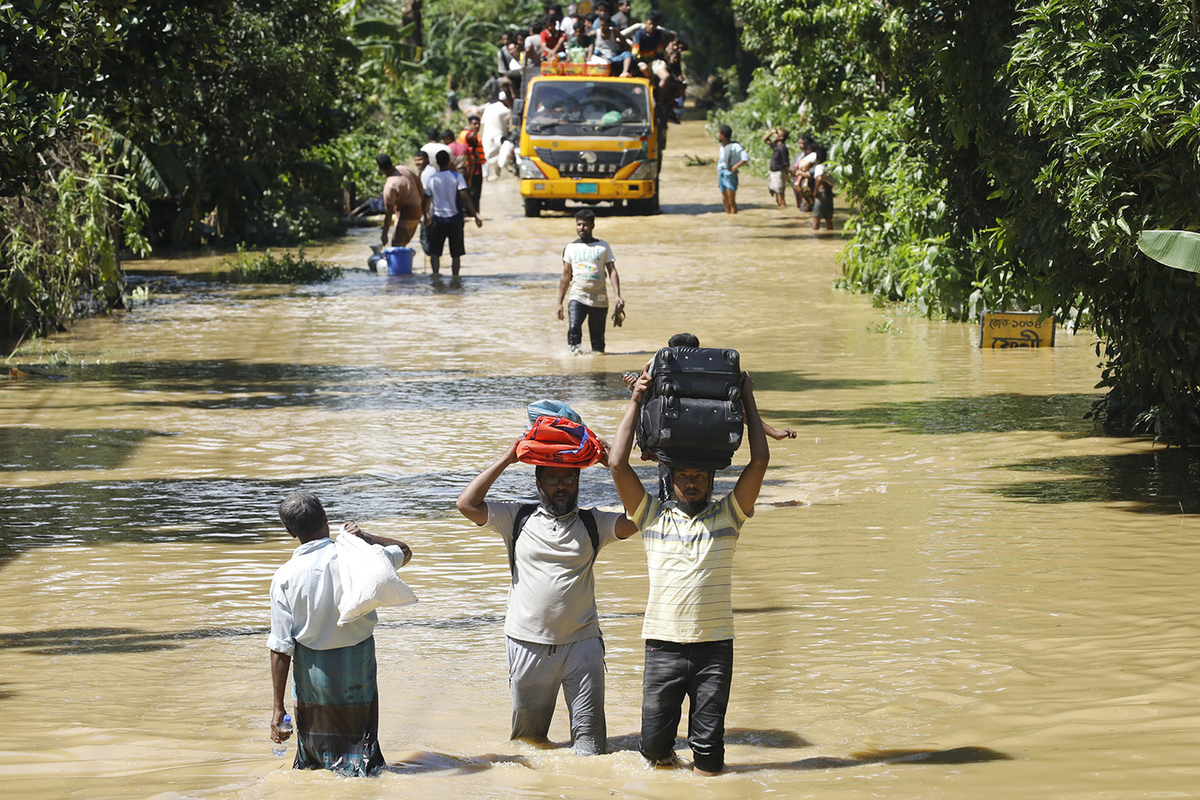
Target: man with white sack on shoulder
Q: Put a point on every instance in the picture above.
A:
(337, 702)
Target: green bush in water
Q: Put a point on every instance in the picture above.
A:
(247, 267)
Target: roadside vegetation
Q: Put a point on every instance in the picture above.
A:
(126, 127)
(1006, 156)
(246, 266)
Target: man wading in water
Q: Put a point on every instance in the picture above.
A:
(444, 191)
(402, 201)
(337, 703)
(588, 265)
(552, 626)
(688, 626)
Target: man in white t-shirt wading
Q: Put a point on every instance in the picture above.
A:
(552, 626)
(445, 193)
(588, 264)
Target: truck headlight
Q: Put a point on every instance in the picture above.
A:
(646, 171)
(528, 169)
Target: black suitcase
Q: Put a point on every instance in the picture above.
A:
(691, 430)
(705, 372)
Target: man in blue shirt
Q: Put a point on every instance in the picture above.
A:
(730, 158)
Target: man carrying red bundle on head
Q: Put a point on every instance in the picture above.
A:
(552, 626)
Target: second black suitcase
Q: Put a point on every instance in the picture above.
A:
(695, 430)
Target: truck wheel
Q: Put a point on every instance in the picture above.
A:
(644, 207)
(533, 208)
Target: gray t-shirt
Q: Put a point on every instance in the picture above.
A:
(552, 599)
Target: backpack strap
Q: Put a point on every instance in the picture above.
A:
(523, 514)
(589, 522)
(527, 509)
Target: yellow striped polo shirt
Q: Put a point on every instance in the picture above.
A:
(691, 569)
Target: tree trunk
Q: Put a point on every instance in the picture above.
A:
(412, 13)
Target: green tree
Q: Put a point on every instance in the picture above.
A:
(48, 53)
(1004, 156)
(1108, 95)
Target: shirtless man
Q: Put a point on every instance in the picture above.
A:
(402, 198)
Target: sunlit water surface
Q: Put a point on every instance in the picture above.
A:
(947, 556)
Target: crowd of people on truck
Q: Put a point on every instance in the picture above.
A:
(602, 37)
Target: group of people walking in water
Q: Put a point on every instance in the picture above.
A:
(552, 633)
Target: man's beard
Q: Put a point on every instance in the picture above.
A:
(558, 505)
(691, 508)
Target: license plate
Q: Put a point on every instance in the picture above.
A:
(585, 188)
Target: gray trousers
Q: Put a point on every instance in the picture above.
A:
(535, 673)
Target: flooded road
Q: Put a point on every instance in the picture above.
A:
(947, 556)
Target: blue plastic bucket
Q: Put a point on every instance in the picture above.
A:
(399, 260)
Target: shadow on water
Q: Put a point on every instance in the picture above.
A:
(774, 738)
(693, 208)
(228, 511)
(797, 382)
(1156, 482)
(85, 641)
(244, 385)
(42, 449)
(995, 413)
(170, 285)
(421, 763)
(955, 755)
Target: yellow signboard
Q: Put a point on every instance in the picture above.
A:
(1002, 330)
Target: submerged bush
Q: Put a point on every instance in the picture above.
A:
(247, 267)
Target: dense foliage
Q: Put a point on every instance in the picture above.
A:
(1006, 155)
(60, 254)
(47, 55)
(210, 121)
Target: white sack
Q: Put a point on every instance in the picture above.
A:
(369, 579)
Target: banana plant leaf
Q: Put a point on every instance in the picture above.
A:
(1178, 249)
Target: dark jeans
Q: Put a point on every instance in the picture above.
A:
(475, 188)
(596, 317)
(702, 672)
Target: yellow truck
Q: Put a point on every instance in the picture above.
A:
(589, 139)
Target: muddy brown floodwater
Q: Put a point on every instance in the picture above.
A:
(947, 556)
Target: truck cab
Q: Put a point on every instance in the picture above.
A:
(591, 139)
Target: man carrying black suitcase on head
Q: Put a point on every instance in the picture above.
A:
(688, 626)
(552, 625)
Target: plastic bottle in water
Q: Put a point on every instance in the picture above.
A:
(279, 749)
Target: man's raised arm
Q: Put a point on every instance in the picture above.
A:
(629, 488)
(472, 503)
(749, 483)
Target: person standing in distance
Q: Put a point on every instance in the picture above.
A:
(730, 158)
(588, 265)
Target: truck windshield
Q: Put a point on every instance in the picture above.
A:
(582, 108)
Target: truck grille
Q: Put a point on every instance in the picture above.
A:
(587, 163)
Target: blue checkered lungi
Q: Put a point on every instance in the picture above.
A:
(337, 709)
